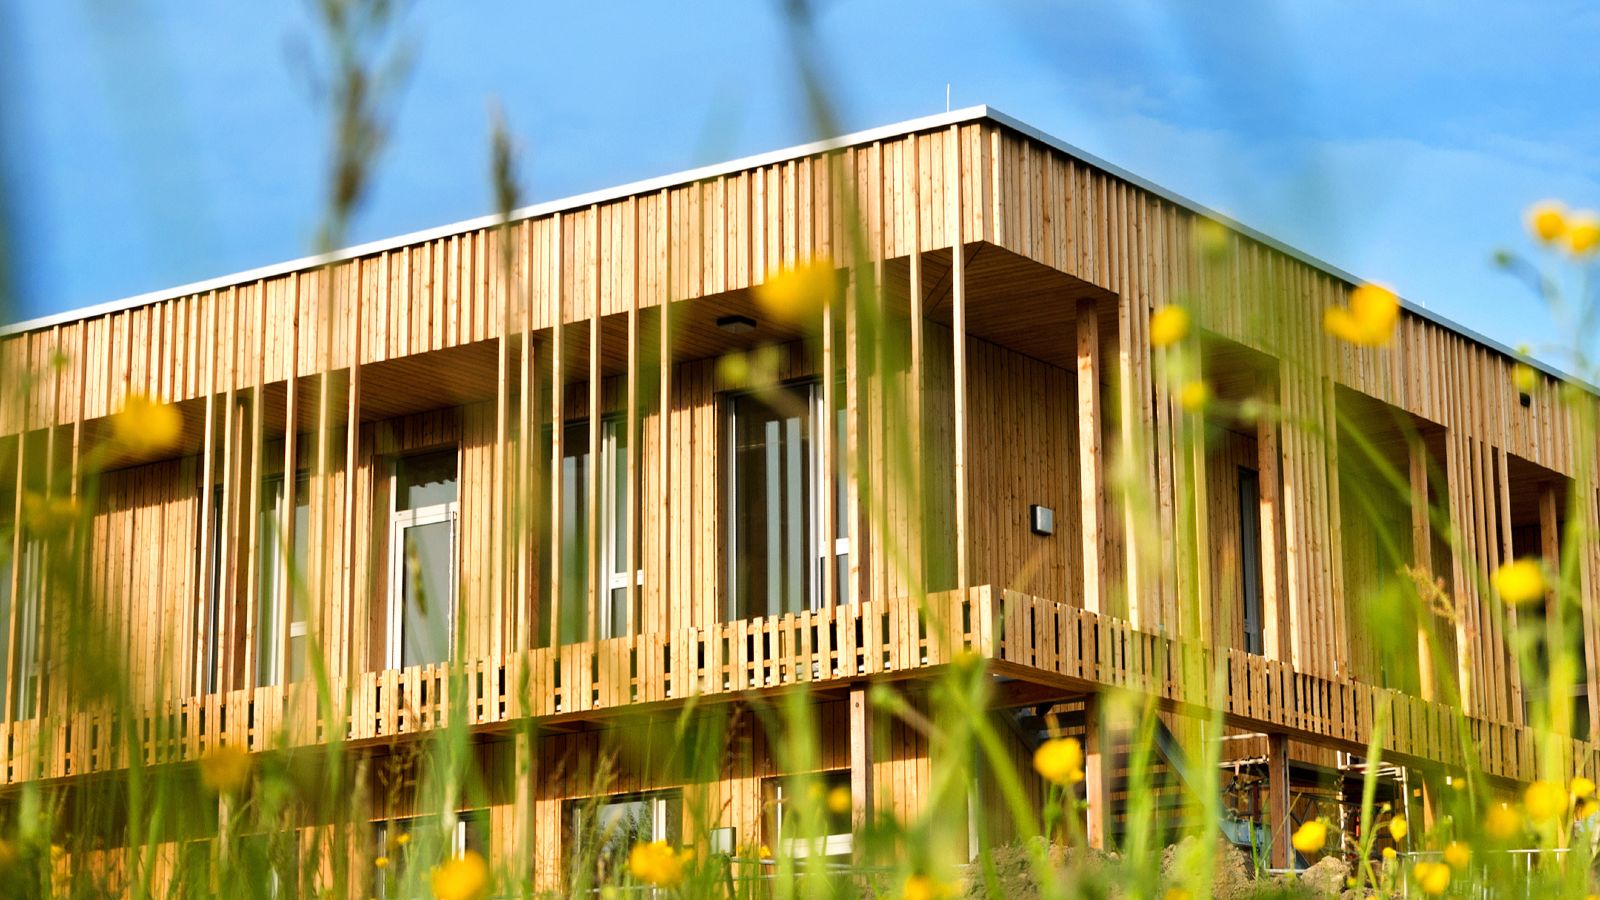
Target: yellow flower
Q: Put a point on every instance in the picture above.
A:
(1544, 801)
(49, 517)
(224, 769)
(1457, 855)
(1586, 808)
(1176, 893)
(1520, 582)
(1194, 396)
(1524, 378)
(1212, 237)
(1432, 877)
(923, 887)
(1502, 822)
(1547, 220)
(465, 877)
(1168, 325)
(381, 862)
(839, 800)
(1059, 760)
(1389, 854)
(656, 863)
(402, 839)
(1398, 828)
(1310, 837)
(8, 854)
(144, 426)
(1583, 233)
(798, 294)
(1368, 321)
(764, 852)
(1582, 787)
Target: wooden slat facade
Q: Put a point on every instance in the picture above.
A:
(1019, 279)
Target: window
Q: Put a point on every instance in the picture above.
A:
(417, 847)
(1250, 557)
(422, 559)
(787, 824)
(604, 830)
(615, 618)
(23, 650)
(272, 862)
(280, 607)
(777, 542)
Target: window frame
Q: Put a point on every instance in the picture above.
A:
(400, 521)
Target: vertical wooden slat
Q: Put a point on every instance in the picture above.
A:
(1091, 485)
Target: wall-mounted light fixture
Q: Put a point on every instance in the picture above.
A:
(736, 324)
(1042, 519)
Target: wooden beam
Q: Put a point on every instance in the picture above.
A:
(630, 503)
(1091, 471)
(557, 413)
(1274, 628)
(958, 330)
(1421, 558)
(592, 487)
(1278, 824)
(1098, 774)
(862, 761)
(919, 529)
(664, 416)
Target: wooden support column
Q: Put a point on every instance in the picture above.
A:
(664, 419)
(1091, 472)
(523, 514)
(1278, 807)
(830, 460)
(1098, 769)
(524, 839)
(1422, 559)
(557, 450)
(1274, 629)
(919, 531)
(958, 331)
(862, 796)
(252, 511)
(291, 430)
(630, 503)
(592, 485)
(343, 663)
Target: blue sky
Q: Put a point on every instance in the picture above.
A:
(152, 143)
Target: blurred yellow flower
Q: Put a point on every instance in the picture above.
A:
(1582, 787)
(1176, 893)
(1586, 808)
(1389, 854)
(1432, 877)
(923, 887)
(1398, 828)
(224, 769)
(656, 863)
(798, 294)
(402, 839)
(1502, 822)
(381, 862)
(1583, 233)
(1547, 220)
(1520, 582)
(1168, 325)
(49, 518)
(839, 800)
(1457, 855)
(464, 877)
(8, 854)
(1524, 378)
(1059, 760)
(1211, 237)
(144, 426)
(1310, 837)
(764, 852)
(1194, 396)
(1368, 321)
(1544, 801)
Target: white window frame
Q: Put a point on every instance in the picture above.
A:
(276, 665)
(23, 694)
(841, 844)
(822, 562)
(400, 520)
(614, 514)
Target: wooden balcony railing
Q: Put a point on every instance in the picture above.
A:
(1028, 638)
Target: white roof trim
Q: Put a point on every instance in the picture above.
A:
(650, 185)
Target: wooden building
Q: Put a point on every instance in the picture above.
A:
(581, 458)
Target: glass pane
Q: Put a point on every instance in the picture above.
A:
(31, 579)
(295, 588)
(574, 532)
(1250, 557)
(616, 623)
(771, 570)
(616, 523)
(5, 596)
(269, 584)
(425, 626)
(426, 479)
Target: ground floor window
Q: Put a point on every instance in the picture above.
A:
(821, 825)
(404, 850)
(603, 830)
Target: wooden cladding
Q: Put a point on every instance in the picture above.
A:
(1022, 281)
